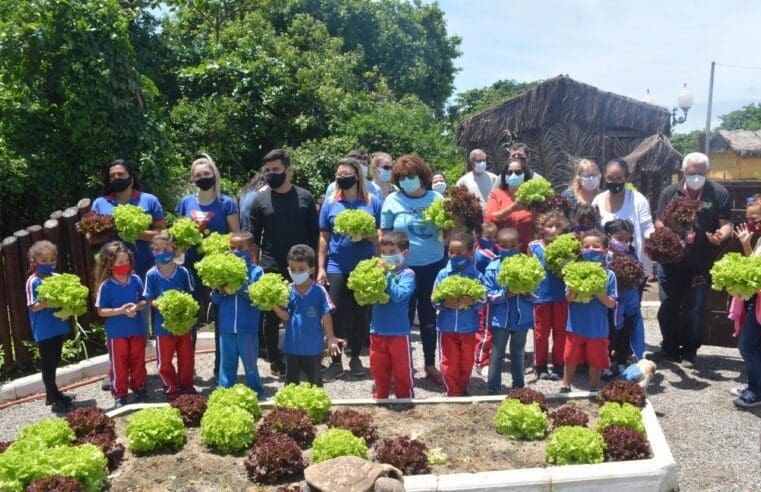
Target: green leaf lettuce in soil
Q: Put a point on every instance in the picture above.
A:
(574, 445)
(520, 421)
(227, 428)
(333, 443)
(151, 429)
(306, 396)
(238, 395)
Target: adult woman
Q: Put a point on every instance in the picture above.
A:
(585, 183)
(503, 209)
(403, 212)
(618, 202)
(383, 171)
(337, 257)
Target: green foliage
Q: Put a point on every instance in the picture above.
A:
(65, 293)
(684, 143)
(179, 310)
(227, 428)
(535, 190)
(185, 231)
(270, 290)
(358, 224)
(457, 287)
(737, 274)
(222, 271)
(622, 415)
(131, 221)
(368, 282)
(747, 118)
(475, 100)
(586, 279)
(215, 243)
(239, 395)
(520, 421)
(314, 161)
(151, 429)
(562, 250)
(47, 433)
(333, 443)
(437, 215)
(306, 396)
(574, 445)
(521, 274)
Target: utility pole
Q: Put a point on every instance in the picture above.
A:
(708, 113)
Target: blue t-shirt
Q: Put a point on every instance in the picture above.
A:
(403, 213)
(156, 284)
(44, 324)
(507, 312)
(211, 217)
(303, 332)
(464, 320)
(114, 294)
(590, 319)
(343, 254)
(236, 314)
(552, 288)
(391, 318)
(140, 249)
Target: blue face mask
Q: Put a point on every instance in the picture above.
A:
(513, 180)
(243, 254)
(458, 262)
(385, 175)
(45, 269)
(394, 260)
(486, 244)
(591, 255)
(410, 185)
(163, 257)
(506, 253)
(299, 278)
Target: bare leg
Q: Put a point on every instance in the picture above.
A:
(594, 377)
(568, 372)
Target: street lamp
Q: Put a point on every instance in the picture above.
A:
(684, 101)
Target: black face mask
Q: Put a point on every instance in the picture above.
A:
(614, 187)
(120, 184)
(346, 182)
(205, 183)
(276, 180)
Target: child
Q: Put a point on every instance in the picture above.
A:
(48, 330)
(168, 275)
(627, 329)
(550, 305)
(584, 218)
(457, 321)
(511, 316)
(587, 337)
(239, 322)
(486, 251)
(120, 301)
(390, 347)
(306, 317)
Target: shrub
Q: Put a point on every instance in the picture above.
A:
(113, 450)
(333, 443)
(90, 420)
(518, 420)
(191, 408)
(306, 396)
(152, 429)
(54, 483)
(47, 433)
(568, 416)
(620, 414)
(409, 455)
(528, 395)
(623, 444)
(274, 457)
(573, 445)
(623, 392)
(227, 428)
(293, 422)
(238, 395)
(360, 424)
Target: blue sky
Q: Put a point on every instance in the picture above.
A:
(624, 47)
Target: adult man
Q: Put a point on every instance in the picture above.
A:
(478, 180)
(684, 285)
(364, 159)
(282, 216)
(521, 150)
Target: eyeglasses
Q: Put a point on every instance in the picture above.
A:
(516, 173)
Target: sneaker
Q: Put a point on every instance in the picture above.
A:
(748, 400)
(105, 385)
(555, 376)
(141, 396)
(738, 392)
(607, 374)
(66, 397)
(565, 389)
(661, 355)
(277, 368)
(541, 373)
(689, 361)
(355, 367)
(484, 371)
(333, 372)
(60, 406)
(120, 402)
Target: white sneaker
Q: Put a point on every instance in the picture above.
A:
(738, 392)
(484, 371)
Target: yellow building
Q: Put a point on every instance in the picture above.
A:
(735, 155)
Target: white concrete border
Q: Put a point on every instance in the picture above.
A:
(655, 474)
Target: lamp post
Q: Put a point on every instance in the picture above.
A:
(684, 102)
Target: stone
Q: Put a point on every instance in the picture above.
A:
(388, 484)
(349, 474)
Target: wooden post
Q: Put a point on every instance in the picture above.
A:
(35, 232)
(6, 340)
(24, 243)
(52, 233)
(15, 286)
(76, 242)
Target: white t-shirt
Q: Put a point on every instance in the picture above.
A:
(480, 185)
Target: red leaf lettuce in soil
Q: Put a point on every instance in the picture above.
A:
(623, 443)
(528, 395)
(409, 455)
(191, 408)
(293, 422)
(360, 424)
(54, 483)
(629, 272)
(113, 450)
(90, 420)
(274, 458)
(567, 415)
(623, 392)
(664, 246)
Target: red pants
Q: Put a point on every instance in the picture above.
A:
(182, 378)
(549, 317)
(127, 357)
(391, 357)
(483, 337)
(456, 351)
(583, 350)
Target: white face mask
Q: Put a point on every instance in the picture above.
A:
(590, 183)
(439, 187)
(298, 278)
(479, 167)
(394, 260)
(695, 182)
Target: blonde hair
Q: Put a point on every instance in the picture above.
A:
(574, 185)
(38, 248)
(376, 157)
(206, 160)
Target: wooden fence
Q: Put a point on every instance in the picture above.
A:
(74, 256)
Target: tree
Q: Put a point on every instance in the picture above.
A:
(684, 143)
(475, 100)
(747, 118)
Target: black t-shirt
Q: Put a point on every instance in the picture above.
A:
(281, 220)
(700, 255)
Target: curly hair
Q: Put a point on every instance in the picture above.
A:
(552, 216)
(411, 164)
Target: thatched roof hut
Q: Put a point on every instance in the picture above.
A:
(745, 143)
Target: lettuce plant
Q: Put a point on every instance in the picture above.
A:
(5, 445)
(238, 395)
(270, 290)
(437, 215)
(274, 458)
(222, 270)
(54, 483)
(368, 282)
(556, 202)
(90, 420)
(456, 287)
(681, 213)
(521, 274)
(98, 226)
(623, 392)
(186, 233)
(586, 279)
(65, 293)
(215, 243)
(131, 221)
(528, 395)
(520, 421)
(629, 272)
(562, 250)
(535, 190)
(664, 246)
(227, 428)
(47, 433)
(409, 455)
(333, 443)
(306, 396)
(568, 416)
(180, 311)
(153, 429)
(191, 408)
(293, 422)
(737, 274)
(623, 444)
(622, 415)
(574, 445)
(357, 224)
(113, 450)
(360, 424)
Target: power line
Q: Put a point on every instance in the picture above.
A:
(744, 67)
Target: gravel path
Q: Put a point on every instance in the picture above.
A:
(716, 445)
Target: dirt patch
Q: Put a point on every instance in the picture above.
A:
(463, 431)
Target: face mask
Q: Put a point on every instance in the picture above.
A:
(513, 180)
(458, 262)
(439, 187)
(205, 183)
(695, 182)
(364, 170)
(590, 183)
(243, 254)
(506, 253)
(591, 255)
(163, 257)
(620, 246)
(298, 278)
(276, 180)
(410, 185)
(394, 260)
(45, 269)
(346, 182)
(385, 175)
(614, 187)
(122, 270)
(479, 167)
(486, 244)
(120, 184)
